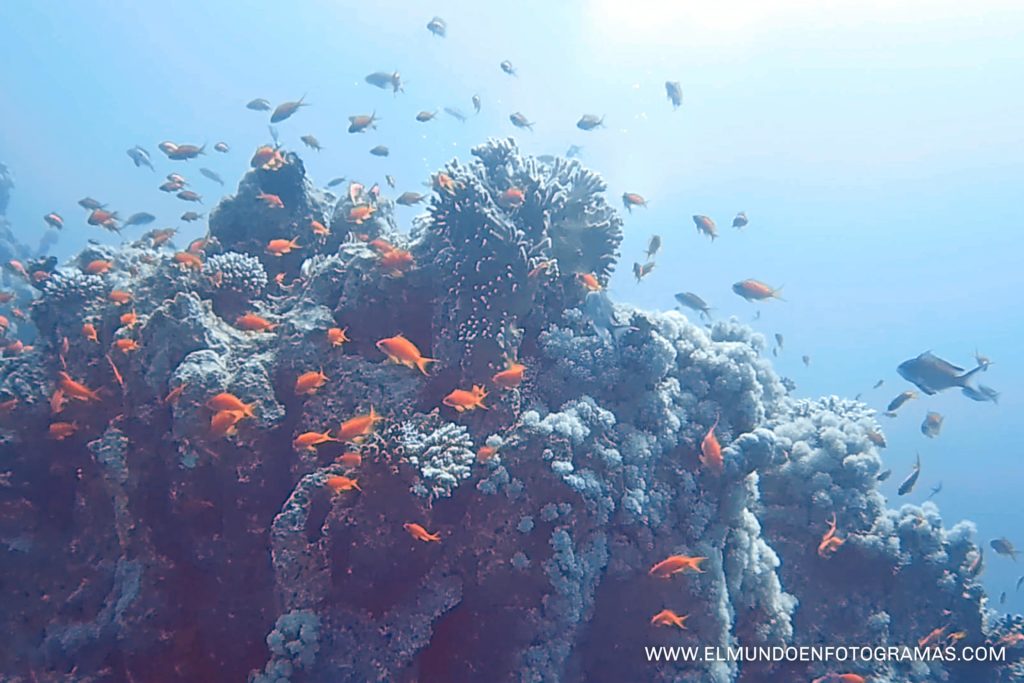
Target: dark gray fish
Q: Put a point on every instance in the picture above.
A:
(190, 216)
(982, 393)
(895, 404)
(190, 196)
(1020, 582)
(876, 437)
(674, 92)
(455, 113)
(642, 271)
(1004, 547)
(807, 360)
(932, 425)
(590, 122)
(334, 182)
(740, 221)
(425, 116)
(1002, 598)
(476, 103)
(222, 147)
(882, 476)
(438, 26)
(507, 67)
(546, 158)
(653, 245)
(380, 151)
(779, 341)
(878, 384)
(931, 374)
(259, 104)
(390, 180)
(140, 218)
(936, 490)
(140, 157)
(694, 302)
(286, 109)
(599, 309)
(90, 204)
(908, 484)
(410, 198)
(573, 152)
(520, 121)
(311, 142)
(385, 80)
(212, 175)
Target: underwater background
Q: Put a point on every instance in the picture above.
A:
(875, 148)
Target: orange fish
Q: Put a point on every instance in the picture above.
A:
(98, 267)
(18, 267)
(198, 245)
(1010, 639)
(706, 225)
(840, 678)
(158, 237)
(119, 296)
(711, 451)
(337, 336)
(631, 199)
(62, 430)
(267, 158)
(174, 394)
(126, 345)
(667, 617)
(400, 350)
(8, 405)
(89, 332)
(589, 282)
(6, 296)
(113, 368)
(319, 229)
(309, 382)
(933, 638)
(223, 422)
(271, 200)
(462, 400)
(676, 564)
(189, 260)
(226, 401)
(4, 323)
(350, 459)
(755, 290)
(359, 427)
(396, 261)
(310, 440)
(512, 198)
(829, 541)
(542, 267)
(340, 484)
(250, 322)
(421, 534)
(381, 246)
(444, 183)
(485, 453)
(57, 401)
(511, 377)
(75, 390)
(358, 214)
(281, 247)
(129, 319)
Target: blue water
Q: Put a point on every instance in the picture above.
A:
(876, 150)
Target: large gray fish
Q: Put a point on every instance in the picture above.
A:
(140, 218)
(384, 80)
(286, 109)
(1002, 546)
(932, 374)
(212, 175)
(908, 484)
(259, 104)
(140, 157)
(694, 302)
(590, 122)
(598, 307)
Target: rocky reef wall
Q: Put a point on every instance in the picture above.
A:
(146, 539)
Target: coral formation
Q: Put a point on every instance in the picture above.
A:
(201, 537)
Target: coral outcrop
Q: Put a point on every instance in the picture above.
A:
(220, 476)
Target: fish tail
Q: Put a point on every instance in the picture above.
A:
(963, 379)
(422, 364)
(777, 293)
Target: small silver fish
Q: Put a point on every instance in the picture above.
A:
(674, 91)
(520, 121)
(908, 484)
(212, 175)
(476, 103)
(455, 114)
(507, 67)
(438, 26)
(259, 104)
(590, 122)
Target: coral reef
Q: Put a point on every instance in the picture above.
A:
(239, 484)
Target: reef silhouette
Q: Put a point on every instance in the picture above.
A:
(142, 547)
